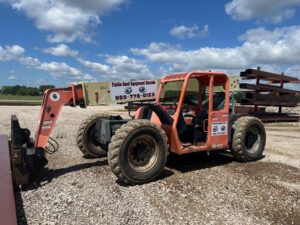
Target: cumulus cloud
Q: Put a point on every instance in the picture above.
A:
(95, 66)
(293, 71)
(179, 59)
(56, 69)
(11, 52)
(119, 67)
(12, 75)
(260, 46)
(185, 32)
(96, 6)
(66, 20)
(128, 66)
(61, 50)
(279, 46)
(273, 11)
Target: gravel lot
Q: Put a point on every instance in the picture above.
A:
(194, 189)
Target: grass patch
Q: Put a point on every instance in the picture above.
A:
(19, 103)
(21, 98)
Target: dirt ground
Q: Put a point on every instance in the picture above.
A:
(194, 189)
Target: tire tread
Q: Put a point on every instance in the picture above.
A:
(81, 131)
(117, 141)
(237, 142)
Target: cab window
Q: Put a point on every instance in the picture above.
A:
(191, 96)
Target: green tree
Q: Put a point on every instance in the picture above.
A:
(7, 90)
(43, 88)
(24, 90)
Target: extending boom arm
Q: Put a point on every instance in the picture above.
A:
(53, 101)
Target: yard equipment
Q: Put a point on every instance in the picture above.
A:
(192, 112)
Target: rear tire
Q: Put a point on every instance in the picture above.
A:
(138, 152)
(85, 142)
(249, 139)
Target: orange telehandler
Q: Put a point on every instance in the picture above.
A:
(192, 112)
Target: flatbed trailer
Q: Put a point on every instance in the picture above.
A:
(7, 206)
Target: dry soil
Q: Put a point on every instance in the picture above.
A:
(194, 189)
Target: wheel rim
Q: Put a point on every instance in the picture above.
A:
(143, 153)
(252, 139)
(92, 134)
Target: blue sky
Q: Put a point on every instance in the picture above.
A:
(61, 41)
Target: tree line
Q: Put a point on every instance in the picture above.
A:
(24, 90)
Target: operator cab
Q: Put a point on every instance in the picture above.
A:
(195, 101)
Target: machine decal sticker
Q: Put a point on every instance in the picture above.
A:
(219, 128)
(47, 124)
(54, 96)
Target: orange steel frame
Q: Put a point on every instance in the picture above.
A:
(74, 95)
(51, 108)
(213, 142)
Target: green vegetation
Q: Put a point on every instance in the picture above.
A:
(22, 95)
(24, 90)
(20, 98)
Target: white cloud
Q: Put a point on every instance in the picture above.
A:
(179, 59)
(30, 62)
(61, 50)
(128, 66)
(87, 77)
(66, 20)
(119, 67)
(273, 11)
(185, 32)
(101, 7)
(96, 67)
(11, 52)
(280, 46)
(12, 75)
(293, 71)
(56, 69)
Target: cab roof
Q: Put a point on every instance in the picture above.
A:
(203, 75)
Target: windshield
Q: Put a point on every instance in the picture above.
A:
(171, 92)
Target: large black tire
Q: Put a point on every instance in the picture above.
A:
(249, 139)
(85, 142)
(138, 152)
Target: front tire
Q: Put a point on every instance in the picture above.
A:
(249, 139)
(138, 152)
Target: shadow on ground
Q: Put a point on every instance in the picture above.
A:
(21, 217)
(49, 174)
(181, 163)
(198, 161)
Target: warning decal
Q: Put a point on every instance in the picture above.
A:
(219, 128)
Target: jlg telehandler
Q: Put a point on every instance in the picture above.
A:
(192, 112)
